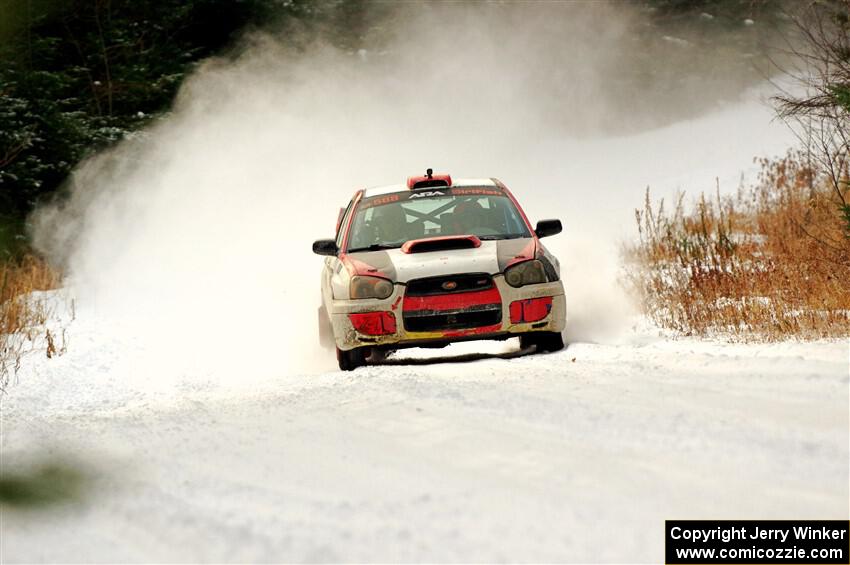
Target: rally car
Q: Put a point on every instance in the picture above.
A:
(435, 261)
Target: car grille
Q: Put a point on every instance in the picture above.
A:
(472, 317)
(453, 302)
(469, 282)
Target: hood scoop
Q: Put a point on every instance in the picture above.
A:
(443, 243)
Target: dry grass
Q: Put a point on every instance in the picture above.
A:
(24, 316)
(770, 263)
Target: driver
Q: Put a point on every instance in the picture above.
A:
(391, 223)
(470, 217)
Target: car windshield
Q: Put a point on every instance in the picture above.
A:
(387, 221)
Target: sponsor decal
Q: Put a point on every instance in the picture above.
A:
(410, 195)
(477, 191)
(380, 200)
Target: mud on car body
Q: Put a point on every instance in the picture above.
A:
(435, 261)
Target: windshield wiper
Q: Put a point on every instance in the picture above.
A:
(375, 247)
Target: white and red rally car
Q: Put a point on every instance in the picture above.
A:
(437, 261)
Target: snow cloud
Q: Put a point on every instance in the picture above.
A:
(196, 234)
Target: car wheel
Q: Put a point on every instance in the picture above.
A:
(351, 359)
(377, 355)
(552, 341)
(543, 341)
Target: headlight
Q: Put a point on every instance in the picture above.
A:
(370, 287)
(527, 272)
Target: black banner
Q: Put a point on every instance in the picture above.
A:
(812, 542)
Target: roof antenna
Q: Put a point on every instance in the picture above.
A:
(429, 173)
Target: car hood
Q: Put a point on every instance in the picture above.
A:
(491, 257)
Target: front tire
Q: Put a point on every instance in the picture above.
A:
(543, 341)
(351, 359)
(377, 355)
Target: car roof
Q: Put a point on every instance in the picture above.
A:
(401, 187)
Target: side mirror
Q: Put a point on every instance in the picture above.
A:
(324, 247)
(546, 228)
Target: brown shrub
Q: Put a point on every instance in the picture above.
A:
(24, 316)
(769, 263)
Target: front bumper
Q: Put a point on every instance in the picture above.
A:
(347, 337)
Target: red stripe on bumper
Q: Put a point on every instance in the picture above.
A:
(456, 301)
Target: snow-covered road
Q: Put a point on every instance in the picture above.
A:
(574, 456)
(191, 420)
